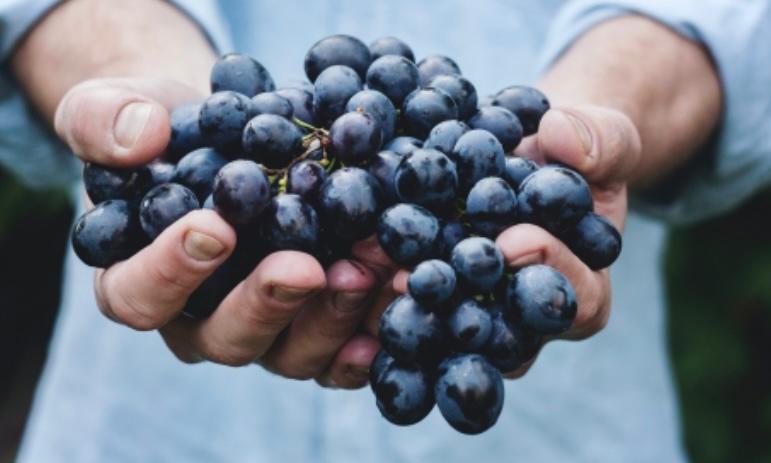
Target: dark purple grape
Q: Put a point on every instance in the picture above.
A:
(500, 122)
(300, 84)
(355, 138)
(407, 233)
(411, 333)
(477, 155)
(185, 131)
(527, 103)
(383, 167)
(424, 108)
(435, 65)
(337, 50)
(164, 205)
(469, 393)
(469, 326)
(222, 119)
(542, 299)
(272, 141)
(378, 106)
(208, 296)
(103, 183)
(390, 46)
(394, 76)
(305, 179)
(491, 207)
(108, 233)
(509, 345)
(427, 177)
(478, 263)
(517, 169)
(334, 87)
(450, 234)
(555, 198)
(302, 103)
(272, 103)
(403, 145)
(242, 74)
(290, 223)
(404, 393)
(241, 192)
(445, 135)
(431, 283)
(350, 203)
(197, 171)
(594, 240)
(161, 172)
(461, 90)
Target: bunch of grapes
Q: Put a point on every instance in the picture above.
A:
(376, 144)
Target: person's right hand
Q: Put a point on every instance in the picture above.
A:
(288, 315)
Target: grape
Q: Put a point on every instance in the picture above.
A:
(500, 122)
(407, 233)
(403, 145)
(436, 65)
(431, 283)
(185, 132)
(164, 205)
(478, 263)
(527, 103)
(411, 333)
(103, 183)
(477, 154)
(337, 50)
(491, 206)
(197, 171)
(542, 299)
(241, 192)
(517, 169)
(355, 138)
(272, 141)
(394, 76)
(349, 203)
(428, 178)
(555, 198)
(469, 393)
(594, 240)
(390, 46)
(450, 234)
(461, 90)
(161, 172)
(404, 393)
(424, 108)
(108, 233)
(469, 326)
(305, 179)
(298, 84)
(334, 87)
(509, 345)
(222, 119)
(302, 103)
(242, 74)
(290, 223)
(445, 135)
(382, 167)
(378, 106)
(272, 103)
(207, 297)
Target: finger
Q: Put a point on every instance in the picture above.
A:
(147, 290)
(601, 143)
(527, 244)
(386, 294)
(350, 368)
(119, 122)
(400, 281)
(369, 253)
(252, 316)
(322, 328)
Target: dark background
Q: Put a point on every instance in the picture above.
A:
(719, 276)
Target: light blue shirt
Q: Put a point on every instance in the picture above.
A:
(109, 394)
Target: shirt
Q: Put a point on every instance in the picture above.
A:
(112, 394)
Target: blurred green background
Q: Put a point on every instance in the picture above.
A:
(720, 319)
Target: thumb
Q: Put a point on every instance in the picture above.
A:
(603, 144)
(119, 122)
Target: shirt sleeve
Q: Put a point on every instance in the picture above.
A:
(737, 161)
(28, 147)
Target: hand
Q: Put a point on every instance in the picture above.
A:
(289, 314)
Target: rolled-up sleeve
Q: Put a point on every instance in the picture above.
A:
(28, 146)
(737, 34)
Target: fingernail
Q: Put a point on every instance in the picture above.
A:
(349, 301)
(289, 295)
(358, 373)
(131, 122)
(527, 259)
(582, 130)
(202, 247)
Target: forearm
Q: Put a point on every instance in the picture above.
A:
(665, 84)
(85, 39)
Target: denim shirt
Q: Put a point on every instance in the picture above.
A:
(109, 394)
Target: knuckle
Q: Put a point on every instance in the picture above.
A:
(134, 313)
(284, 365)
(231, 356)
